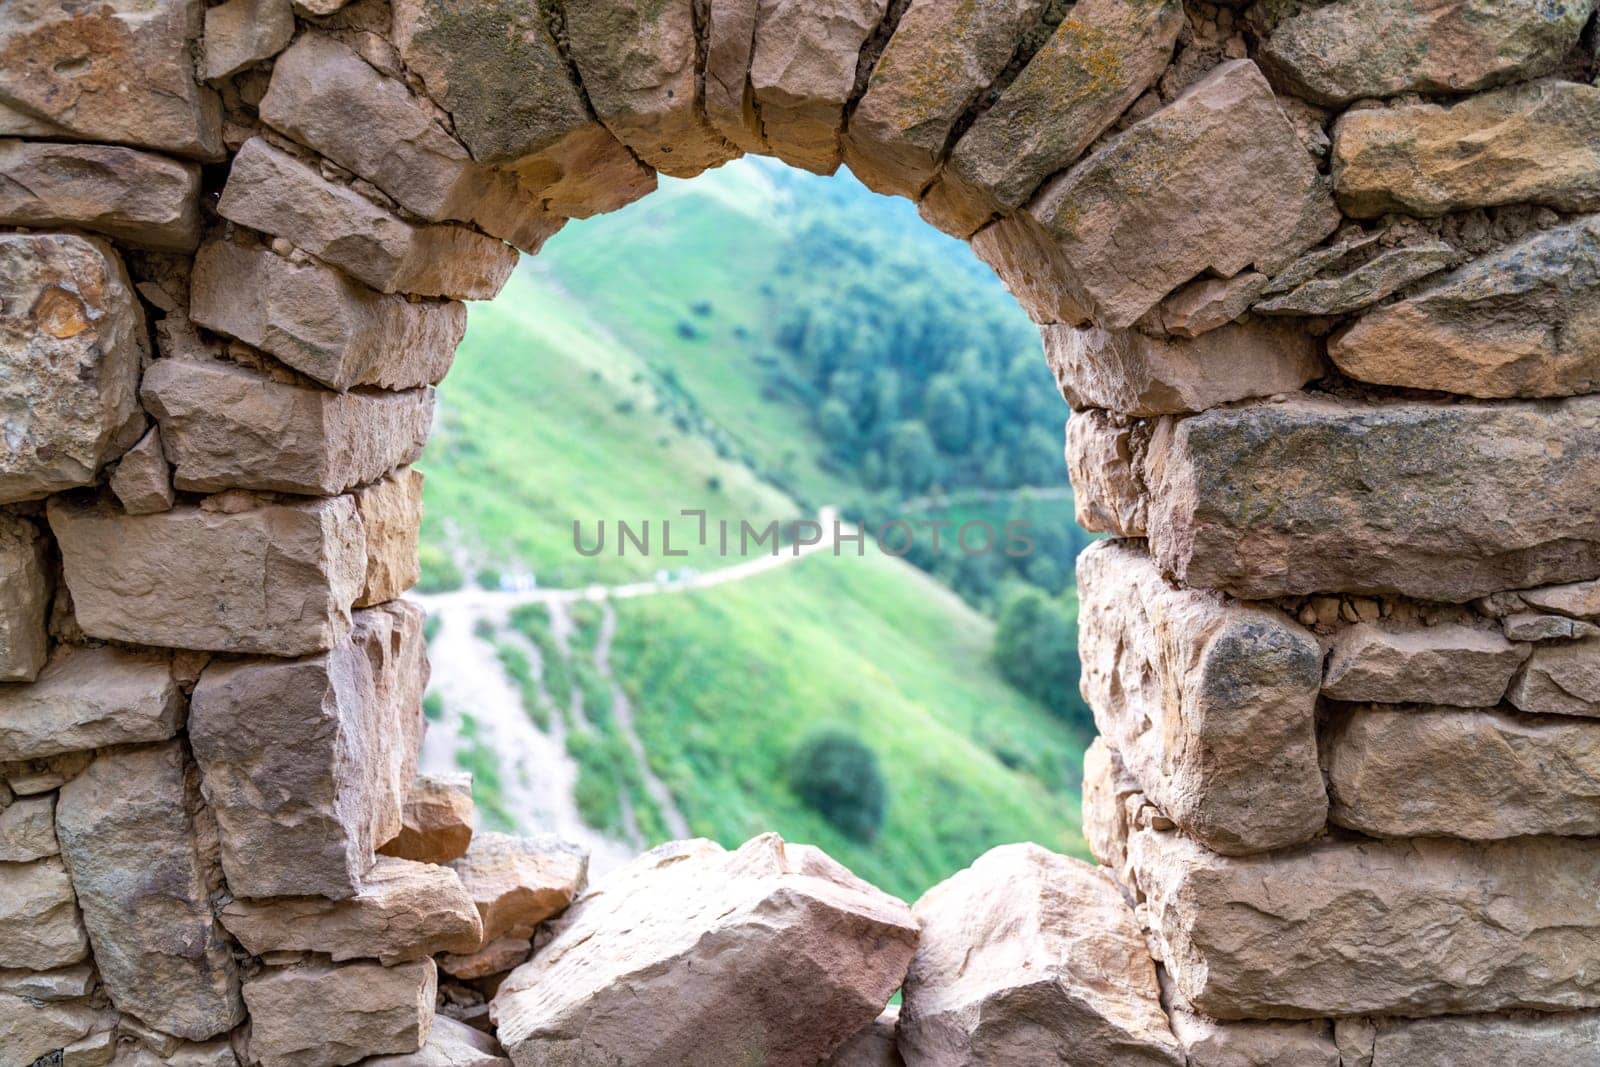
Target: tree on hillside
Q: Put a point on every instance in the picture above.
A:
(839, 778)
(1036, 650)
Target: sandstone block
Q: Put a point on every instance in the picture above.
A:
(1311, 495)
(1216, 180)
(1518, 322)
(143, 480)
(240, 33)
(1347, 927)
(64, 983)
(1102, 56)
(497, 957)
(89, 698)
(1107, 790)
(31, 1029)
(436, 820)
(1211, 704)
(24, 601)
(1032, 267)
(322, 1015)
(1209, 1043)
(320, 322)
(1337, 53)
(772, 951)
(638, 68)
(119, 71)
(404, 911)
(1532, 626)
(1031, 957)
(1102, 463)
(730, 42)
(1580, 600)
(40, 927)
(144, 879)
(327, 97)
(137, 197)
(519, 882)
(938, 61)
(229, 427)
(1203, 306)
(1561, 679)
(28, 830)
(306, 762)
(803, 72)
(1383, 275)
(873, 1046)
(391, 514)
(1135, 374)
(73, 337)
(450, 1044)
(1447, 664)
(271, 191)
(278, 578)
(1566, 1039)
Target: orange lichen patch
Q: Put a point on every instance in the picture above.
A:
(60, 313)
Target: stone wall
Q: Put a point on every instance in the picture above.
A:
(1319, 279)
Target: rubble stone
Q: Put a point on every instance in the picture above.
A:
(138, 197)
(519, 882)
(28, 830)
(730, 41)
(239, 33)
(89, 698)
(24, 601)
(1383, 275)
(450, 1044)
(1448, 664)
(142, 481)
(1560, 679)
(322, 1015)
(31, 1029)
(40, 927)
(391, 514)
(1566, 1039)
(1581, 600)
(436, 821)
(1107, 496)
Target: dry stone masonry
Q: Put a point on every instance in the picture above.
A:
(1320, 281)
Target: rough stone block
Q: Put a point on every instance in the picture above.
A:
(119, 71)
(1032, 267)
(436, 820)
(1453, 664)
(1565, 1039)
(1209, 1043)
(89, 698)
(72, 337)
(40, 927)
(229, 427)
(1350, 927)
(275, 193)
(1102, 461)
(519, 882)
(495, 958)
(240, 33)
(1560, 679)
(450, 1044)
(144, 880)
(320, 322)
(391, 514)
(278, 579)
(24, 600)
(137, 197)
(404, 911)
(693, 954)
(321, 1015)
(1365, 283)
(1580, 600)
(28, 831)
(1209, 303)
(1518, 322)
(873, 1046)
(143, 479)
(1211, 704)
(1134, 374)
(1312, 495)
(1031, 957)
(1215, 181)
(30, 1029)
(730, 42)
(306, 762)
(1107, 790)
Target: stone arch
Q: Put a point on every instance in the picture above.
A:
(1319, 281)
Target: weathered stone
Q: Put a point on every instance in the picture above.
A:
(874, 1045)
(143, 880)
(1450, 664)
(1103, 55)
(240, 33)
(138, 197)
(1347, 927)
(1209, 1043)
(278, 579)
(695, 955)
(1308, 495)
(497, 957)
(1132, 373)
(1566, 1039)
(217, 1053)
(72, 336)
(229, 427)
(318, 1015)
(327, 97)
(28, 829)
(391, 514)
(404, 911)
(31, 1029)
(1027, 260)
(940, 58)
(1384, 274)
(1561, 679)
(1203, 306)
(1531, 626)
(29, 778)
(1107, 789)
(450, 1044)
(803, 73)
(320, 322)
(638, 68)
(1532, 143)
(1211, 704)
(1581, 600)
(88, 698)
(1340, 257)
(271, 191)
(1518, 322)
(1426, 771)
(1031, 957)
(306, 762)
(65, 983)
(118, 71)
(1216, 180)
(39, 923)
(730, 42)
(436, 821)
(143, 480)
(1336, 53)
(24, 601)
(519, 882)
(1101, 461)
